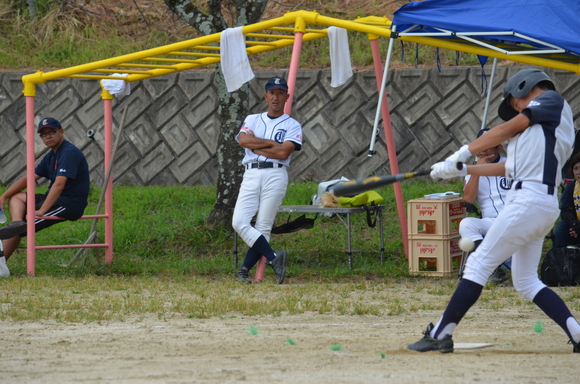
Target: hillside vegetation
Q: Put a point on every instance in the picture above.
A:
(66, 33)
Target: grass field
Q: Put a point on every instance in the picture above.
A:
(160, 237)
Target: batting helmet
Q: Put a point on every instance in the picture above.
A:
(518, 86)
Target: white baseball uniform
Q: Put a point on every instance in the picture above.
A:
(534, 161)
(263, 189)
(491, 196)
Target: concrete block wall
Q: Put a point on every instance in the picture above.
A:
(171, 128)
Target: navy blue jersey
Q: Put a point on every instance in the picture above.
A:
(70, 162)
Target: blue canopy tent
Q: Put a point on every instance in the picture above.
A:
(536, 32)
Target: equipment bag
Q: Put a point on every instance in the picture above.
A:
(325, 186)
(561, 267)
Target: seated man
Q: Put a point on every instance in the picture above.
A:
(489, 193)
(67, 170)
(568, 229)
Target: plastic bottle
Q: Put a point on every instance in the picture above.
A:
(2, 216)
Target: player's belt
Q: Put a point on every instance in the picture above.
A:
(263, 164)
(549, 188)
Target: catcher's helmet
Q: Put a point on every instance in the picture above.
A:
(518, 86)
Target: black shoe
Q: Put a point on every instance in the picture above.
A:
(279, 265)
(427, 343)
(242, 275)
(15, 228)
(498, 276)
(576, 348)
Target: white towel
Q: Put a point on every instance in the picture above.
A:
(235, 64)
(340, 66)
(117, 87)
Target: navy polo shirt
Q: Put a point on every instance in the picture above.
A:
(70, 162)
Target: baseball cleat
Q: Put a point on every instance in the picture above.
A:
(279, 265)
(498, 276)
(576, 348)
(242, 275)
(15, 228)
(427, 343)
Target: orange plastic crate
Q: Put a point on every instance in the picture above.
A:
(434, 216)
(435, 255)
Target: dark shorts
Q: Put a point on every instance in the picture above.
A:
(55, 210)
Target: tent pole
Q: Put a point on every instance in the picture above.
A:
(488, 99)
(381, 95)
(389, 140)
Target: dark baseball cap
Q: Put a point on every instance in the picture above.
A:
(49, 122)
(277, 83)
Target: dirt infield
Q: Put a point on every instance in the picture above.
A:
(286, 349)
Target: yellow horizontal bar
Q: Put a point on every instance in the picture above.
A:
(97, 77)
(266, 36)
(141, 66)
(162, 60)
(194, 54)
(263, 42)
(287, 29)
(206, 47)
(119, 71)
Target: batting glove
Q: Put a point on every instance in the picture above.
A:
(461, 155)
(447, 170)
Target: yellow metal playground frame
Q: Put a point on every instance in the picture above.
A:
(291, 29)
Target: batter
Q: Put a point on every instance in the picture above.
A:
(269, 139)
(540, 130)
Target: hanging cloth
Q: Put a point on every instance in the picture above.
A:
(234, 58)
(117, 87)
(340, 65)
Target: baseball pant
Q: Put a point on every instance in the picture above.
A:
(262, 191)
(519, 230)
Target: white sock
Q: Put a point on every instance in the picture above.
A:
(448, 330)
(4, 271)
(573, 328)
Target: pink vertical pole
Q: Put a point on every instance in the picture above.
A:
(299, 29)
(30, 188)
(108, 121)
(391, 151)
(294, 62)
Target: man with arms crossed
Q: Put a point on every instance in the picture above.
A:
(269, 139)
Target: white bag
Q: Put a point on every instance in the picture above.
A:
(326, 186)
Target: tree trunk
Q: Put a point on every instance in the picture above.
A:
(232, 110)
(233, 107)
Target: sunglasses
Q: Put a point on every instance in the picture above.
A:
(48, 133)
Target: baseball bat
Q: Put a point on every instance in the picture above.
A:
(353, 187)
